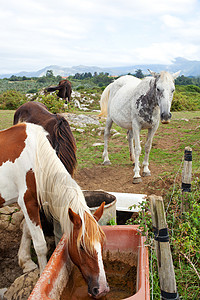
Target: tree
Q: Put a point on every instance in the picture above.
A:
(49, 73)
(139, 73)
(182, 80)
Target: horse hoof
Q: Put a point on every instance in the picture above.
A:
(106, 163)
(145, 174)
(137, 180)
(30, 267)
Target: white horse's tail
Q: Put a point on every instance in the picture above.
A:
(104, 101)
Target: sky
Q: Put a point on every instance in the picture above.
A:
(105, 33)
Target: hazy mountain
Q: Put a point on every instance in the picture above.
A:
(187, 67)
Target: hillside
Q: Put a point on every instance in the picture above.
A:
(187, 67)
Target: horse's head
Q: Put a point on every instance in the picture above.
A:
(164, 93)
(85, 250)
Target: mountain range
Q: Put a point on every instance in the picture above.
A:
(187, 67)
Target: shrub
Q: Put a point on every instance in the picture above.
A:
(11, 100)
(185, 100)
(52, 102)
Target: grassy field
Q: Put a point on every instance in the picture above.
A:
(182, 131)
(6, 118)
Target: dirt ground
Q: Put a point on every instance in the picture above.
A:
(119, 179)
(110, 178)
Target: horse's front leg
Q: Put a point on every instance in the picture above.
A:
(39, 243)
(131, 148)
(148, 144)
(30, 208)
(108, 126)
(136, 135)
(24, 253)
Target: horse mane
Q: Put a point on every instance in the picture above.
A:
(91, 232)
(65, 144)
(57, 191)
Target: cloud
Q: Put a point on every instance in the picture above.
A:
(165, 52)
(96, 32)
(172, 22)
(183, 29)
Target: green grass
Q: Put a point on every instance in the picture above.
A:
(6, 118)
(185, 115)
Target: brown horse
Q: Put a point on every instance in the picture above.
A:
(60, 135)
(64, 89)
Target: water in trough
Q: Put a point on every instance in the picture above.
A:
(121, 276)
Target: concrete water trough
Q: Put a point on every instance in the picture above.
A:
(121, 241)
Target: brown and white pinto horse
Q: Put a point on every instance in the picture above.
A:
(32, 175)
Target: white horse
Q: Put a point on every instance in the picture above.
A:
(136, 104)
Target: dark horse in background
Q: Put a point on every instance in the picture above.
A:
(64, 89)
(60, 135)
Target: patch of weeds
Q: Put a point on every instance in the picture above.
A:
(184, 232)
(112, 222)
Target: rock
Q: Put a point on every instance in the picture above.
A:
(75, 94)
(22, 286)
(97, 144)
(8, 210)
(17, 217)
(80, 130)
(77, 104)
(10, 218)
(113, 131)
(81, 120)
(115, 134)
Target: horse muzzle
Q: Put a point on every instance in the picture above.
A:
(165, 118)
(96, 293)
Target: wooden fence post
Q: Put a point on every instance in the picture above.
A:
(163, 251)
(186, 178)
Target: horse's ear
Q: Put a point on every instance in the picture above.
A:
(154, 74)
(75, 219)
(175, 75)
(99, 212)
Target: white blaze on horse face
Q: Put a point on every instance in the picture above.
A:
(103, 286)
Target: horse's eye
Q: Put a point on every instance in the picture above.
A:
(158, 90)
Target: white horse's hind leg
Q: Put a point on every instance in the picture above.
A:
(24, 254)
(108, 126)
(148, 144)
(136, 135)
(131, 148)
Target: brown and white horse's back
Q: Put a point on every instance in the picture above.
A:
(16, 161)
